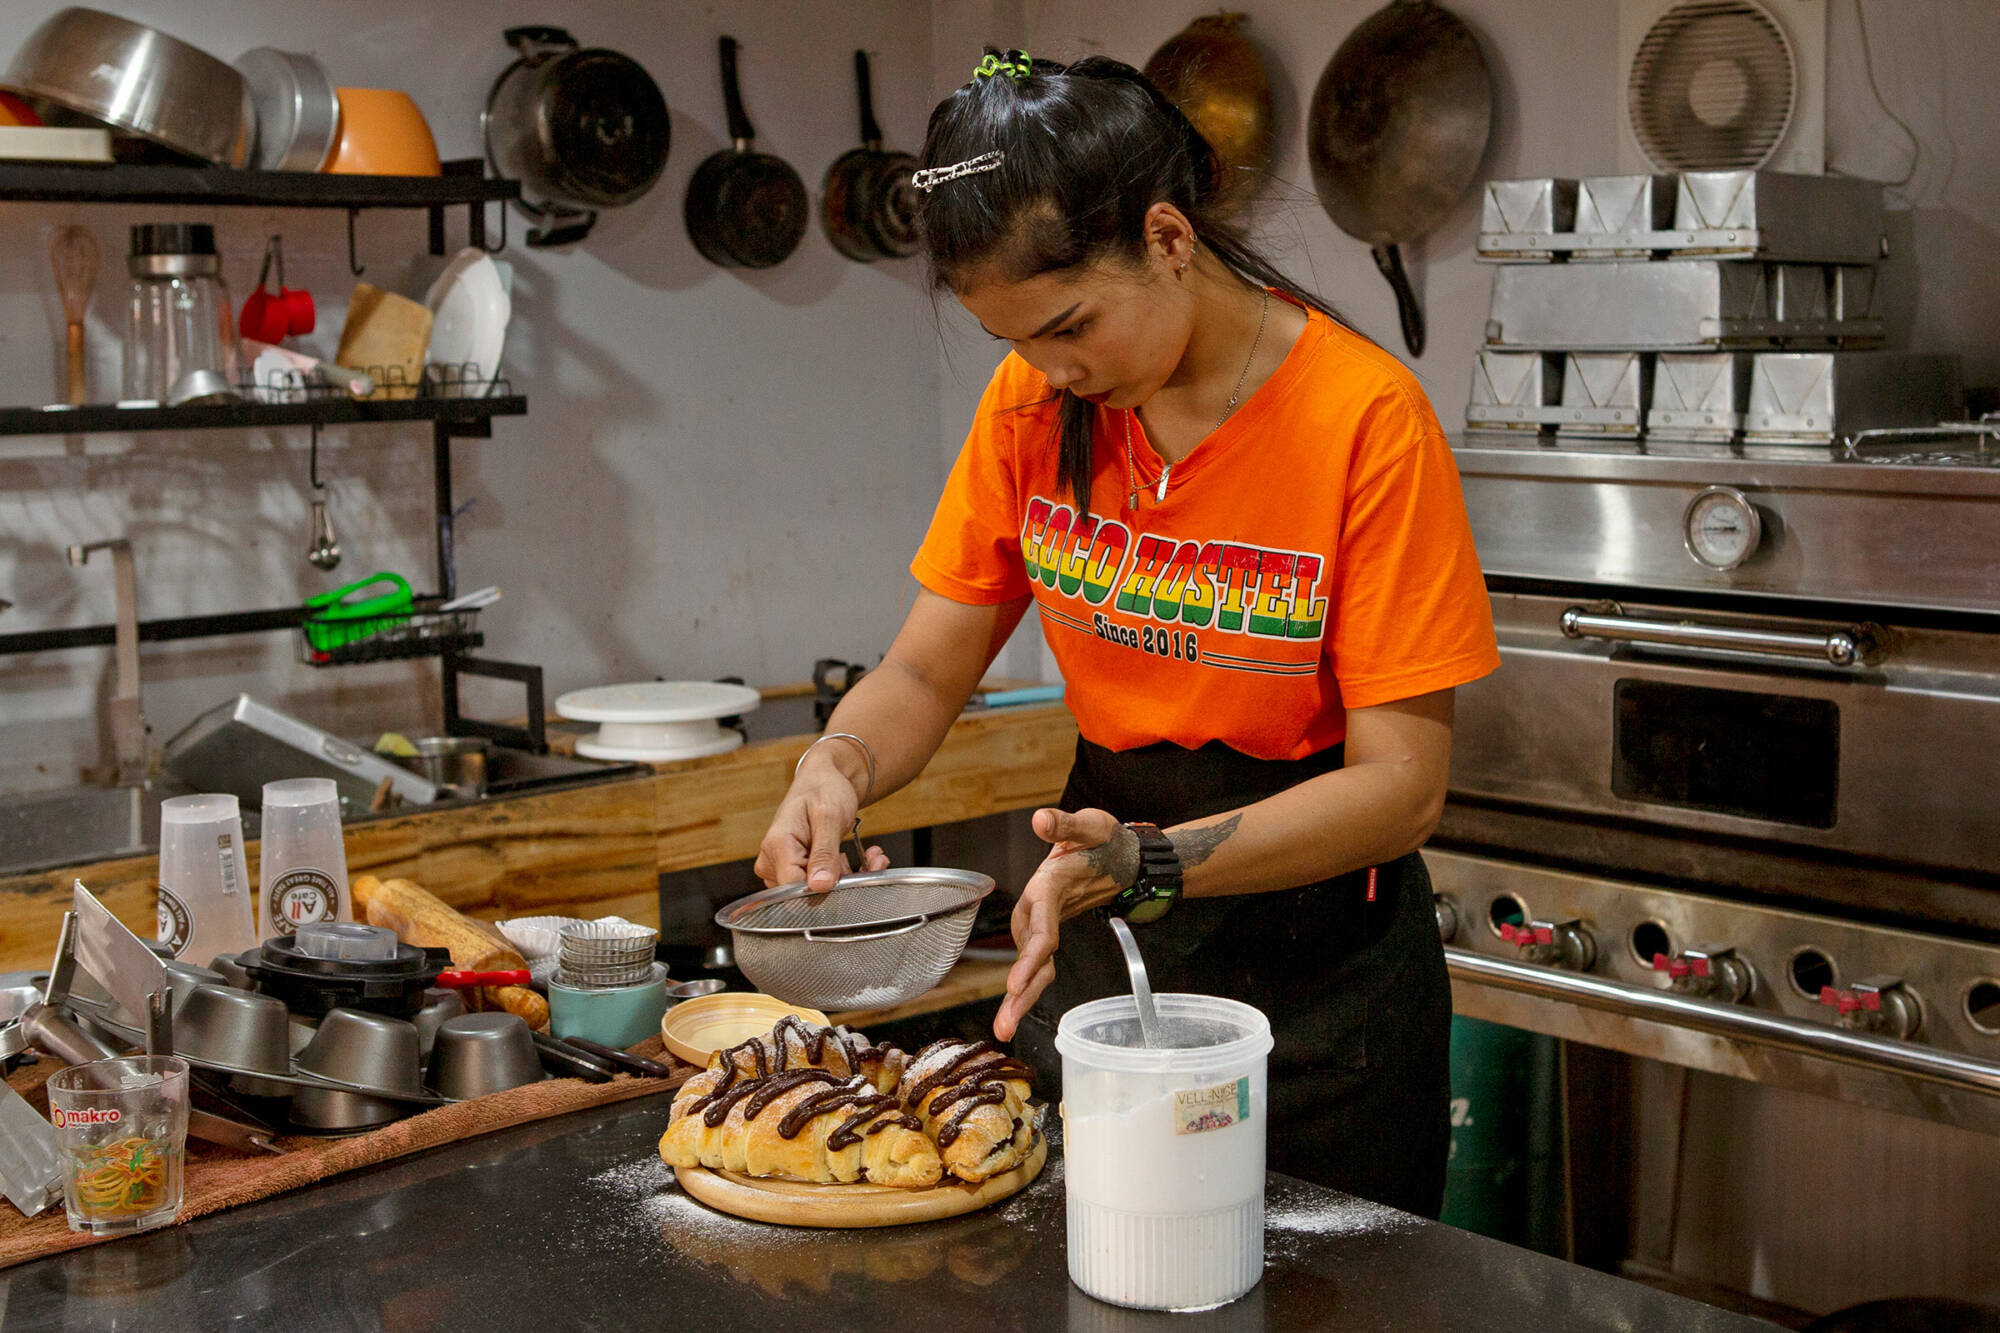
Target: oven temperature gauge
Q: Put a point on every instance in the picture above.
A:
(1721, 528)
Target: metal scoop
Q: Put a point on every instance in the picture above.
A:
(1142, 989)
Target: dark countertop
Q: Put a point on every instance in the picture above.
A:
(574, 1223)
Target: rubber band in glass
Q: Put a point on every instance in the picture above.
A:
(121, 1128)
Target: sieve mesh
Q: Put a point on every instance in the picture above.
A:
(870, 941)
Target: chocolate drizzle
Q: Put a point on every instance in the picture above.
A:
(855, 1094)
(976, 1075)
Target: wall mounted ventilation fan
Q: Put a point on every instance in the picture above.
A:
(1712, 85)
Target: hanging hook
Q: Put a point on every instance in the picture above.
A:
(493, 249)
(352, 267)
(312, 461)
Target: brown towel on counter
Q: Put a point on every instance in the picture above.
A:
(219, 1178)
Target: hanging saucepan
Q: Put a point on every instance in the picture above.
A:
(745, 209)
(867, 202)
(1399, 124)
(1212, 73)
(581, 128)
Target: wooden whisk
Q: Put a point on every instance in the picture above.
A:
(73, 253)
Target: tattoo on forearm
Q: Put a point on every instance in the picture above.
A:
(1118, 859)
(1196, 845)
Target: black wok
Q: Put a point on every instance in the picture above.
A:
(1399, 124)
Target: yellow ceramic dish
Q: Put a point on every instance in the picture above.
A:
(697, 1028)
(382, 133)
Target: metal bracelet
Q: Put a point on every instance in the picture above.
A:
(860, 854)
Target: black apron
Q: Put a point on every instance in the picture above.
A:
(1356, 990)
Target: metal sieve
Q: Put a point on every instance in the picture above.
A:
(869, 941)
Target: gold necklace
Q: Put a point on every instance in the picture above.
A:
(1235, 394)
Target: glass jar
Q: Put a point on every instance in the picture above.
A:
(179, 320)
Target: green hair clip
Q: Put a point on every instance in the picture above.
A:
(1014, 63)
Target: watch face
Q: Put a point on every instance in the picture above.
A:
(1149, 910)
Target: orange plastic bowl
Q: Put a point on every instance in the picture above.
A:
(382, 134)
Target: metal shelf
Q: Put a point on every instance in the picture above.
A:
(119, 184)
(330, 411)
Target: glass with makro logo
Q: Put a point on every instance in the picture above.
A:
(206, 904)
(121, 1131)
(302, 860)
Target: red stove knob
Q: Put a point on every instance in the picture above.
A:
(1876, 1004)
(1712, 974)
(1565, 944)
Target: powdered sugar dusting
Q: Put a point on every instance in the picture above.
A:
(1341, 1215)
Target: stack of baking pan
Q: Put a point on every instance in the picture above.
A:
(1706, 308)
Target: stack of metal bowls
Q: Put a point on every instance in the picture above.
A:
(605, 955)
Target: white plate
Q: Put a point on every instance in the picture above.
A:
(722, 743)
(658, 701)
(469, 313)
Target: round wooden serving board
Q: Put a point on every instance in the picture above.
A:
(794, 1203)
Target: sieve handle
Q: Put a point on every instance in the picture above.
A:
(877, 935)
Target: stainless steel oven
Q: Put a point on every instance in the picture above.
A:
(1732, 805)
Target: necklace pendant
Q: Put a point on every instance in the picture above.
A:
(1161, 493)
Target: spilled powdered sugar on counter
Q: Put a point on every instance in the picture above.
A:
(645, 1198)
(1289, 1221)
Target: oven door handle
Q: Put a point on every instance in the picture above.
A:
(1848, 647)
(1736, 1022)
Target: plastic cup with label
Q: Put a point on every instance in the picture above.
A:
(1164, 1150)
(121, 1131)
(206, 903)
(302, 860)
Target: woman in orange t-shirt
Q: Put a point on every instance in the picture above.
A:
(1242, 528)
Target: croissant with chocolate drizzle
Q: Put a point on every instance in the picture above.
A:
(796, 1044)
(803, 1124)
(972, 1098)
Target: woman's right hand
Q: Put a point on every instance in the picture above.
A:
(803, 842)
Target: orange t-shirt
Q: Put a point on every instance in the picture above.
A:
(1312, 555)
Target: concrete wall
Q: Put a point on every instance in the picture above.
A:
(726, 472)
(721, 472)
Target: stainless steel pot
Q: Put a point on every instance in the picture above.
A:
(139, 80)
(298, 109)
(457, 764)
(581, 128)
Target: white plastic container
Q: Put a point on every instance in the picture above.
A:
(302, 860)
(1164, 1151)
(207, 906)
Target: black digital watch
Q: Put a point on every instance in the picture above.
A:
(1158, 887)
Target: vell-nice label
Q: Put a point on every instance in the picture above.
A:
(301, 897)
(1198, 1110)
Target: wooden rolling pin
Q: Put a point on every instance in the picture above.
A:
(420, 917)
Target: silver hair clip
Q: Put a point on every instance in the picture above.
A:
(931, 177)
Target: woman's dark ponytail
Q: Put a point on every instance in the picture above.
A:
(1086, 150)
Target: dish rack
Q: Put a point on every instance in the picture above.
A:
(419, 630)
(465, 380)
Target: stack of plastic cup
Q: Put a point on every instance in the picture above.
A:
(206, 906)
(302, 860)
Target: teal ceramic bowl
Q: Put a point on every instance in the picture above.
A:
(620, 1017)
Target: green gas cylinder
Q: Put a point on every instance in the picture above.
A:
(1504, 1178)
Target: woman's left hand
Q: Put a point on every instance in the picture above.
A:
(1083, 870)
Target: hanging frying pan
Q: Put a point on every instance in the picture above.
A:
(745, 209)
(867, 203)
(1214, 75)
(1399, 124)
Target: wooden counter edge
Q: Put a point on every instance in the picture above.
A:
(600, 848)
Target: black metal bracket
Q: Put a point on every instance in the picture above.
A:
(352, 267)
(475, 212)
(533, 737)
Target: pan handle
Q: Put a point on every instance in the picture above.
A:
(740, 131)
(871, 133)
(1390, 260)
